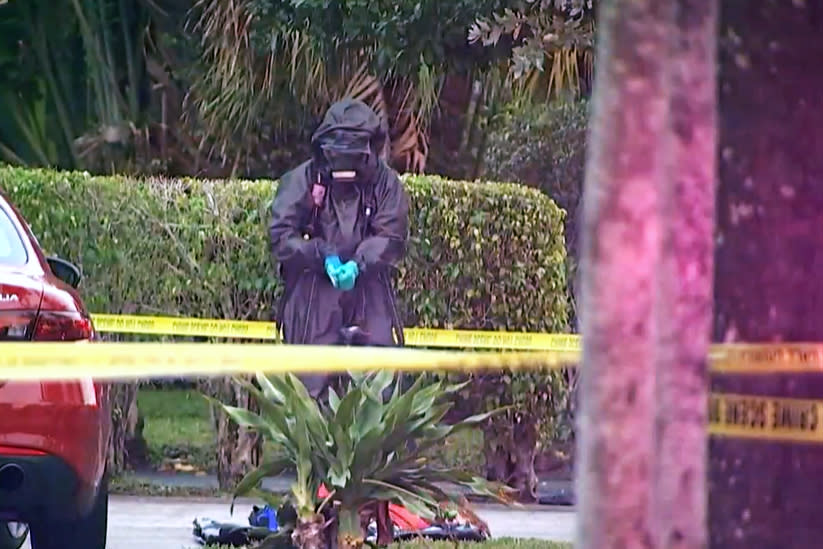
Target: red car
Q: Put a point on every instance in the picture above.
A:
(54, 436)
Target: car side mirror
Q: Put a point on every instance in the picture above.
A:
(65, 271)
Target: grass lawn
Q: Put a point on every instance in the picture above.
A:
(179, 434)
(502, 543)
(177, 426)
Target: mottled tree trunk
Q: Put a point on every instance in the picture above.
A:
(621, 242)
(124, 432)
(769, 260)
(510, 450)
(238, 448)
(523, 456)
(684, 305)
(496, 456)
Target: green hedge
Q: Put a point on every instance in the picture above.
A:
(482, 256)
(544, 146)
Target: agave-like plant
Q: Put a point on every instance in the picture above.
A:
(363, 445)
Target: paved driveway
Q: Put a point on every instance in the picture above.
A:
(165, 523)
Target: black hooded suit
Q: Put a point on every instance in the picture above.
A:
(366, 221)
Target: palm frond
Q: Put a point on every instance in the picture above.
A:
(240, 86)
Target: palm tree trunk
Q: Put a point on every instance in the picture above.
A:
(768, 262)
(349, 531)
(625, 174)
(685, 298)
(309, 532)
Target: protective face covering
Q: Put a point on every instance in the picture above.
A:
(346, 156)
(344, 145)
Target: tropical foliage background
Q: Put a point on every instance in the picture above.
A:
(233, 87)
(468, 89)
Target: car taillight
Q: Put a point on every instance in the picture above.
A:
(62, 327)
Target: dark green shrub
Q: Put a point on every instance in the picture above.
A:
(481, 256)
(543, 146)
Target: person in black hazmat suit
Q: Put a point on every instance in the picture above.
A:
(339, 227)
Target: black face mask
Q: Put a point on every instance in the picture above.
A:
(347, 157)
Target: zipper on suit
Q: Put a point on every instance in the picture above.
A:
(308, 309)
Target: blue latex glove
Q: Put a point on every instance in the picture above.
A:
(347, 275)
(332, 264)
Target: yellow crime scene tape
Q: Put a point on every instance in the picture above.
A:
(767, 358)
(738, 416)
(116, 361)
(737, 358)
(190, 327)
(766, 418)
(259, 330)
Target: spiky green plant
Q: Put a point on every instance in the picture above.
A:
(363, 445)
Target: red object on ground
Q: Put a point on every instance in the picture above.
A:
(400, 516)
(54, 436)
